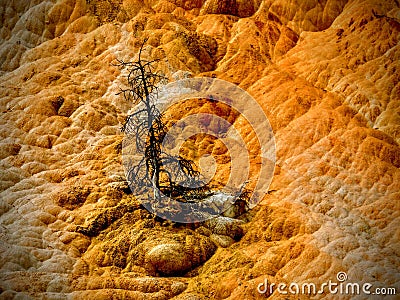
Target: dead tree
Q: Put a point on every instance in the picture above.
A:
(156, 169)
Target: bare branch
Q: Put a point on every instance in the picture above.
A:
(148, 128)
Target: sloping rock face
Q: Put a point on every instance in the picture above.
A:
(326, 74)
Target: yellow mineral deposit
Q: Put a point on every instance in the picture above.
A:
(326, 74)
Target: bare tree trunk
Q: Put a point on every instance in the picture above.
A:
(149, 129)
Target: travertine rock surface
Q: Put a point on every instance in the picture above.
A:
(326, 74)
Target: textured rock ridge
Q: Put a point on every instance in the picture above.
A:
(326, 75)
